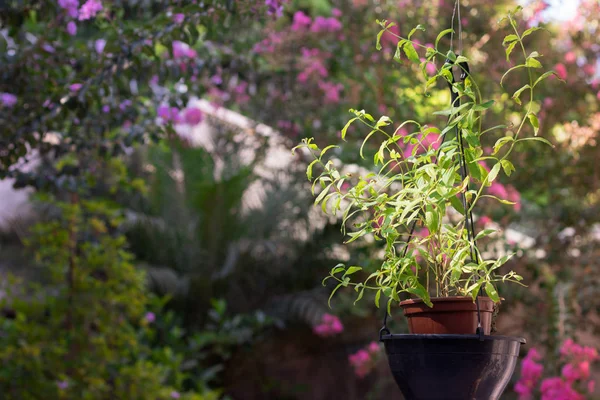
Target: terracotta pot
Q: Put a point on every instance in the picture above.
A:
(449, 315)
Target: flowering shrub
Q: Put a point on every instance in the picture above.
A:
(573, 383)
(365, 360)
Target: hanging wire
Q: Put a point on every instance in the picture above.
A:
(455, 11)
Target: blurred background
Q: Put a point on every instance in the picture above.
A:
(157, 236)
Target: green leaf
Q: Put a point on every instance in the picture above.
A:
(533, 63)
(492, 292)
(417, 28)
(461, 59)
(530, 31)
(509, 71)
(338, 268)
(483, 106)
(484, 233)
(534, 122)
(431, 219)
(360, 295)
(377, 297)
(457, 204)
(410, 52)
(378, 44)
(326, 149)
(352, 270)
(323, 193)
(509, 39)
(539, 139)
(544, 76)
(501, 142)
(345, 128)
(441, 35)
(493, 174)
(420, 292)
(332, 293)
(509, 50)
(517, 94)
(508, 167)
(309, 170)
(364, 142)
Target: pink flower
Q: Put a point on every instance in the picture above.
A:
(301, 21)
(514, 196)
(75, 87)
(150, 317)
(322, 24)
(497, 189)
(99, 46)
(70, 6)
(183, 50)
(484, 220)
(589, 69)
(561, 71)
(72, 28)
(336, 12)
(175, 395)
(8, 99)
(570, 373)
(89, 9)
(374, 347)
(332, 91)
(330, 325)
(430, 68)
(192, 116)
(178, 18)
(570, 57)
(591, 385)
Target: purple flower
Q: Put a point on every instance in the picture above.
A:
(150, 317)
(62, 385)
(216, 79)
(193, 116)
(274, 7)
(8, 99)
(105, 109)
(48, 48)
(89, 9)
(72, 28)
(175, 395)
(336, 12)
(178, 18)
(99, 45)
(75, 87)
(124, 104)
(70, 6)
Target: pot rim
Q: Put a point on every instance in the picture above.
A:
(432, 336)
(446, 299)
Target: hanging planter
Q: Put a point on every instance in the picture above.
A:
(451, 367)
(419, 204)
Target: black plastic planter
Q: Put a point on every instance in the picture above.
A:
(452, 367)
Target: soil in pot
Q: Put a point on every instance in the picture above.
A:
(449, 315)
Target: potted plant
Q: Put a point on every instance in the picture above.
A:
(418, 203)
